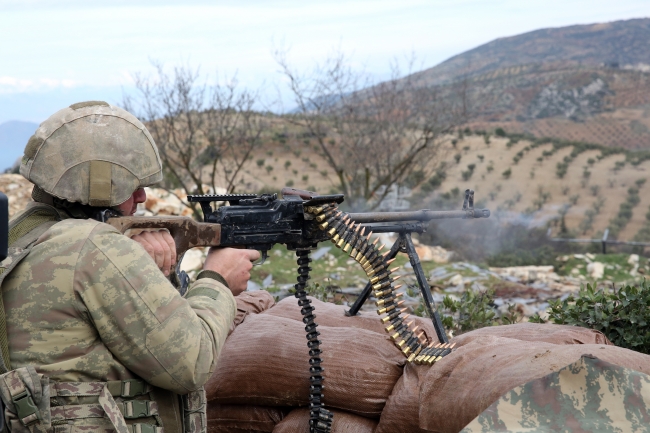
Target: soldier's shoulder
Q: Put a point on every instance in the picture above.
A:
(79, 230)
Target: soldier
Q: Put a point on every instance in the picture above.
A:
(98, 338)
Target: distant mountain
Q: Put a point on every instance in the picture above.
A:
(622, 44)
(13, 138)
(584, 83)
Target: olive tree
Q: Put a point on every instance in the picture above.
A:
(373, 135)
(206, 133)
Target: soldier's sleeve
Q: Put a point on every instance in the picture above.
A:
(171, 342)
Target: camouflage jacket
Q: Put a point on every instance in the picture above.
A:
(89, 304)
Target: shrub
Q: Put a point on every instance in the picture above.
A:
(499, 132)
(506, 174)
(472, 311)
(260, 163)
(623, 315)
(457, 157)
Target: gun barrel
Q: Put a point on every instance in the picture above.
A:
(418, 215)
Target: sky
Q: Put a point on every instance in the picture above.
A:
(57, 52)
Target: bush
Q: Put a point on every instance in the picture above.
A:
(623, 315)
(506, 174)
(474, 310)
(499, 132)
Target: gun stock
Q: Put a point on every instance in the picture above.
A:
(186, 232)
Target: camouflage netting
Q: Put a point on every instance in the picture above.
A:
(262, 379)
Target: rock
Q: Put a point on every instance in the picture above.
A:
(193, 260)
(434, 254)
(633, 260)
(596, 270)
(455, 280)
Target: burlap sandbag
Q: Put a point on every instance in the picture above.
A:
(328, 314)
(251, 303)
(402, 411)
(298, 422)
(466, 382)
(240, 418)
(556, 334)
(265, 362)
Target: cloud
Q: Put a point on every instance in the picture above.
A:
(20, 85)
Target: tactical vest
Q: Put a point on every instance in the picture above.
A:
(33, 404)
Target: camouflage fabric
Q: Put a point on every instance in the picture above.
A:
(92, 153)
(88, 304)
(589, 395)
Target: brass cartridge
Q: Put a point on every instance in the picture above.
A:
(394, 315)
(386, 283)
(323, 226)
(389, 308)
(381, 302)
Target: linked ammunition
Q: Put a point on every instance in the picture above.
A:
(385, 301)
(390, 308)
(431, 359)
(322, 217)
(395, 315)
(415, 353)
(381, 267)
(444, 353)
(425, 353)
(385, 283)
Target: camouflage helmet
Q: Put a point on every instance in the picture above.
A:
(91, 153)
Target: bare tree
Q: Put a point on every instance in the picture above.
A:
(205, 134)
(373, 135)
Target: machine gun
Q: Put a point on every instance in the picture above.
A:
(300, 220)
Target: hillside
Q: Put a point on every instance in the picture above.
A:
(584, 83)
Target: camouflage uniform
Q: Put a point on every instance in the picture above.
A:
(98, 338)
(589, 395)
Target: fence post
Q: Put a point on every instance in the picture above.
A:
(604, 241)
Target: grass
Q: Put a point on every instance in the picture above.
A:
(617, 268)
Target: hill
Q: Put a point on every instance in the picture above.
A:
(584, 83)
(13, 138)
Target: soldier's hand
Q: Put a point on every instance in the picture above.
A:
(233, 264)
(160, 246)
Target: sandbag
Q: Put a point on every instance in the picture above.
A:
(251, 303)
(265, 362)
(328, 314)
(241, 419)
(402, 411)
(298, 422)
(464, 383)
(549, 333)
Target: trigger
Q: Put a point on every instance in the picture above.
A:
(263, 259)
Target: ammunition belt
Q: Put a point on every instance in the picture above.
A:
(353, 240)
(320, 419)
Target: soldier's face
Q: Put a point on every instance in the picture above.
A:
(131, 205)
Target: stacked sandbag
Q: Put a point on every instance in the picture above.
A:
(298, 422)
(265, 362)
(464, 384)
(328, 314)
(556, 334)
(223, 418)
(264, 367)
(402, 411)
